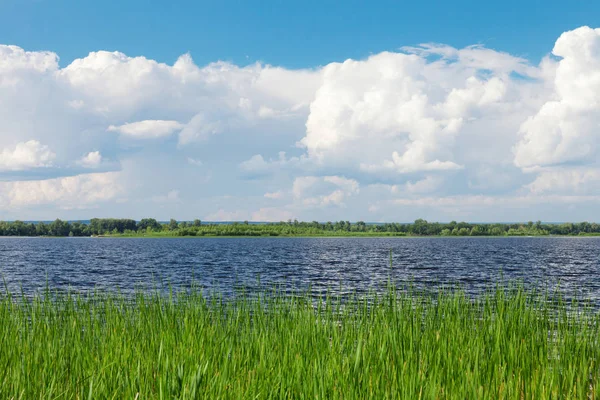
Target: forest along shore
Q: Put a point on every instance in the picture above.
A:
(149, 227)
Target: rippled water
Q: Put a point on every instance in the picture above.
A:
(324, 264)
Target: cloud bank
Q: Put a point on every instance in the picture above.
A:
(428, 131)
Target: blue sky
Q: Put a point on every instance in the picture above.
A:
(293, 34)
(324, 110)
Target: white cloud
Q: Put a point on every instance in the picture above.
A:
(426, 185)
(26, 155)
(201, 127)
(477, 57)
(264, 214)
(428, 122)
(195, 161)
(566, 127)
(313, 191)
(149, 129)
(271, 214)
(13, 58)
(257, 166)
(348, 185)
(397, 113)
(302, 184)
(578, 181)
(275, 195)
(465, 201)
(402, 164)
(74, 191)
(91, 160)
(223, 215)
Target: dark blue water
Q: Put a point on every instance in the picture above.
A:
(324, 264)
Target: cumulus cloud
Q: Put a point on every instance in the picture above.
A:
(70, 192)
(566, 127)
(148, 129)
(579, 181)
(91, 160)
(325, 191)
(424, 123)
(26, 155)
(348, 185)
(399, 113)
(275, 195)
(14, 58)
(490, 201)
(157, 100)
(426, 185)
(256, 166)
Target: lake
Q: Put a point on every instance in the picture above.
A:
(324, 264)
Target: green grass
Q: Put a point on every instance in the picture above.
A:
(509, 343)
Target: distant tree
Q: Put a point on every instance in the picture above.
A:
(497, 231)
(59, 228)
(41, 229)
(477, 230)
(464, 232)
(79, 229)
(419, 227)
(148, 223)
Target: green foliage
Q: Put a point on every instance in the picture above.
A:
(151, 227)
(507, 344)
(148, 224)
(101, 226)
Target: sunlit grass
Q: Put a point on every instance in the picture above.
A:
(510, 344)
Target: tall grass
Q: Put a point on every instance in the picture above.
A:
(510, 343)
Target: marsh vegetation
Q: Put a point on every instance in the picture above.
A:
(510, 343)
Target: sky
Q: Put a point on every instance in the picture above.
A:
(315, 110)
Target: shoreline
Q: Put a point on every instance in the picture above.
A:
(374, 236)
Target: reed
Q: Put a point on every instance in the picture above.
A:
(510, 343)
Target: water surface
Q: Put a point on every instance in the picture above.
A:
(324, 264)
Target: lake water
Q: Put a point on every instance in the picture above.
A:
(324, 264)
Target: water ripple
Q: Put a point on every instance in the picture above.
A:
(324, 264)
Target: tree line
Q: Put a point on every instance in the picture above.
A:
(420, 227)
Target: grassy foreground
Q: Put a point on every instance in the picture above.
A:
(510, 344)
